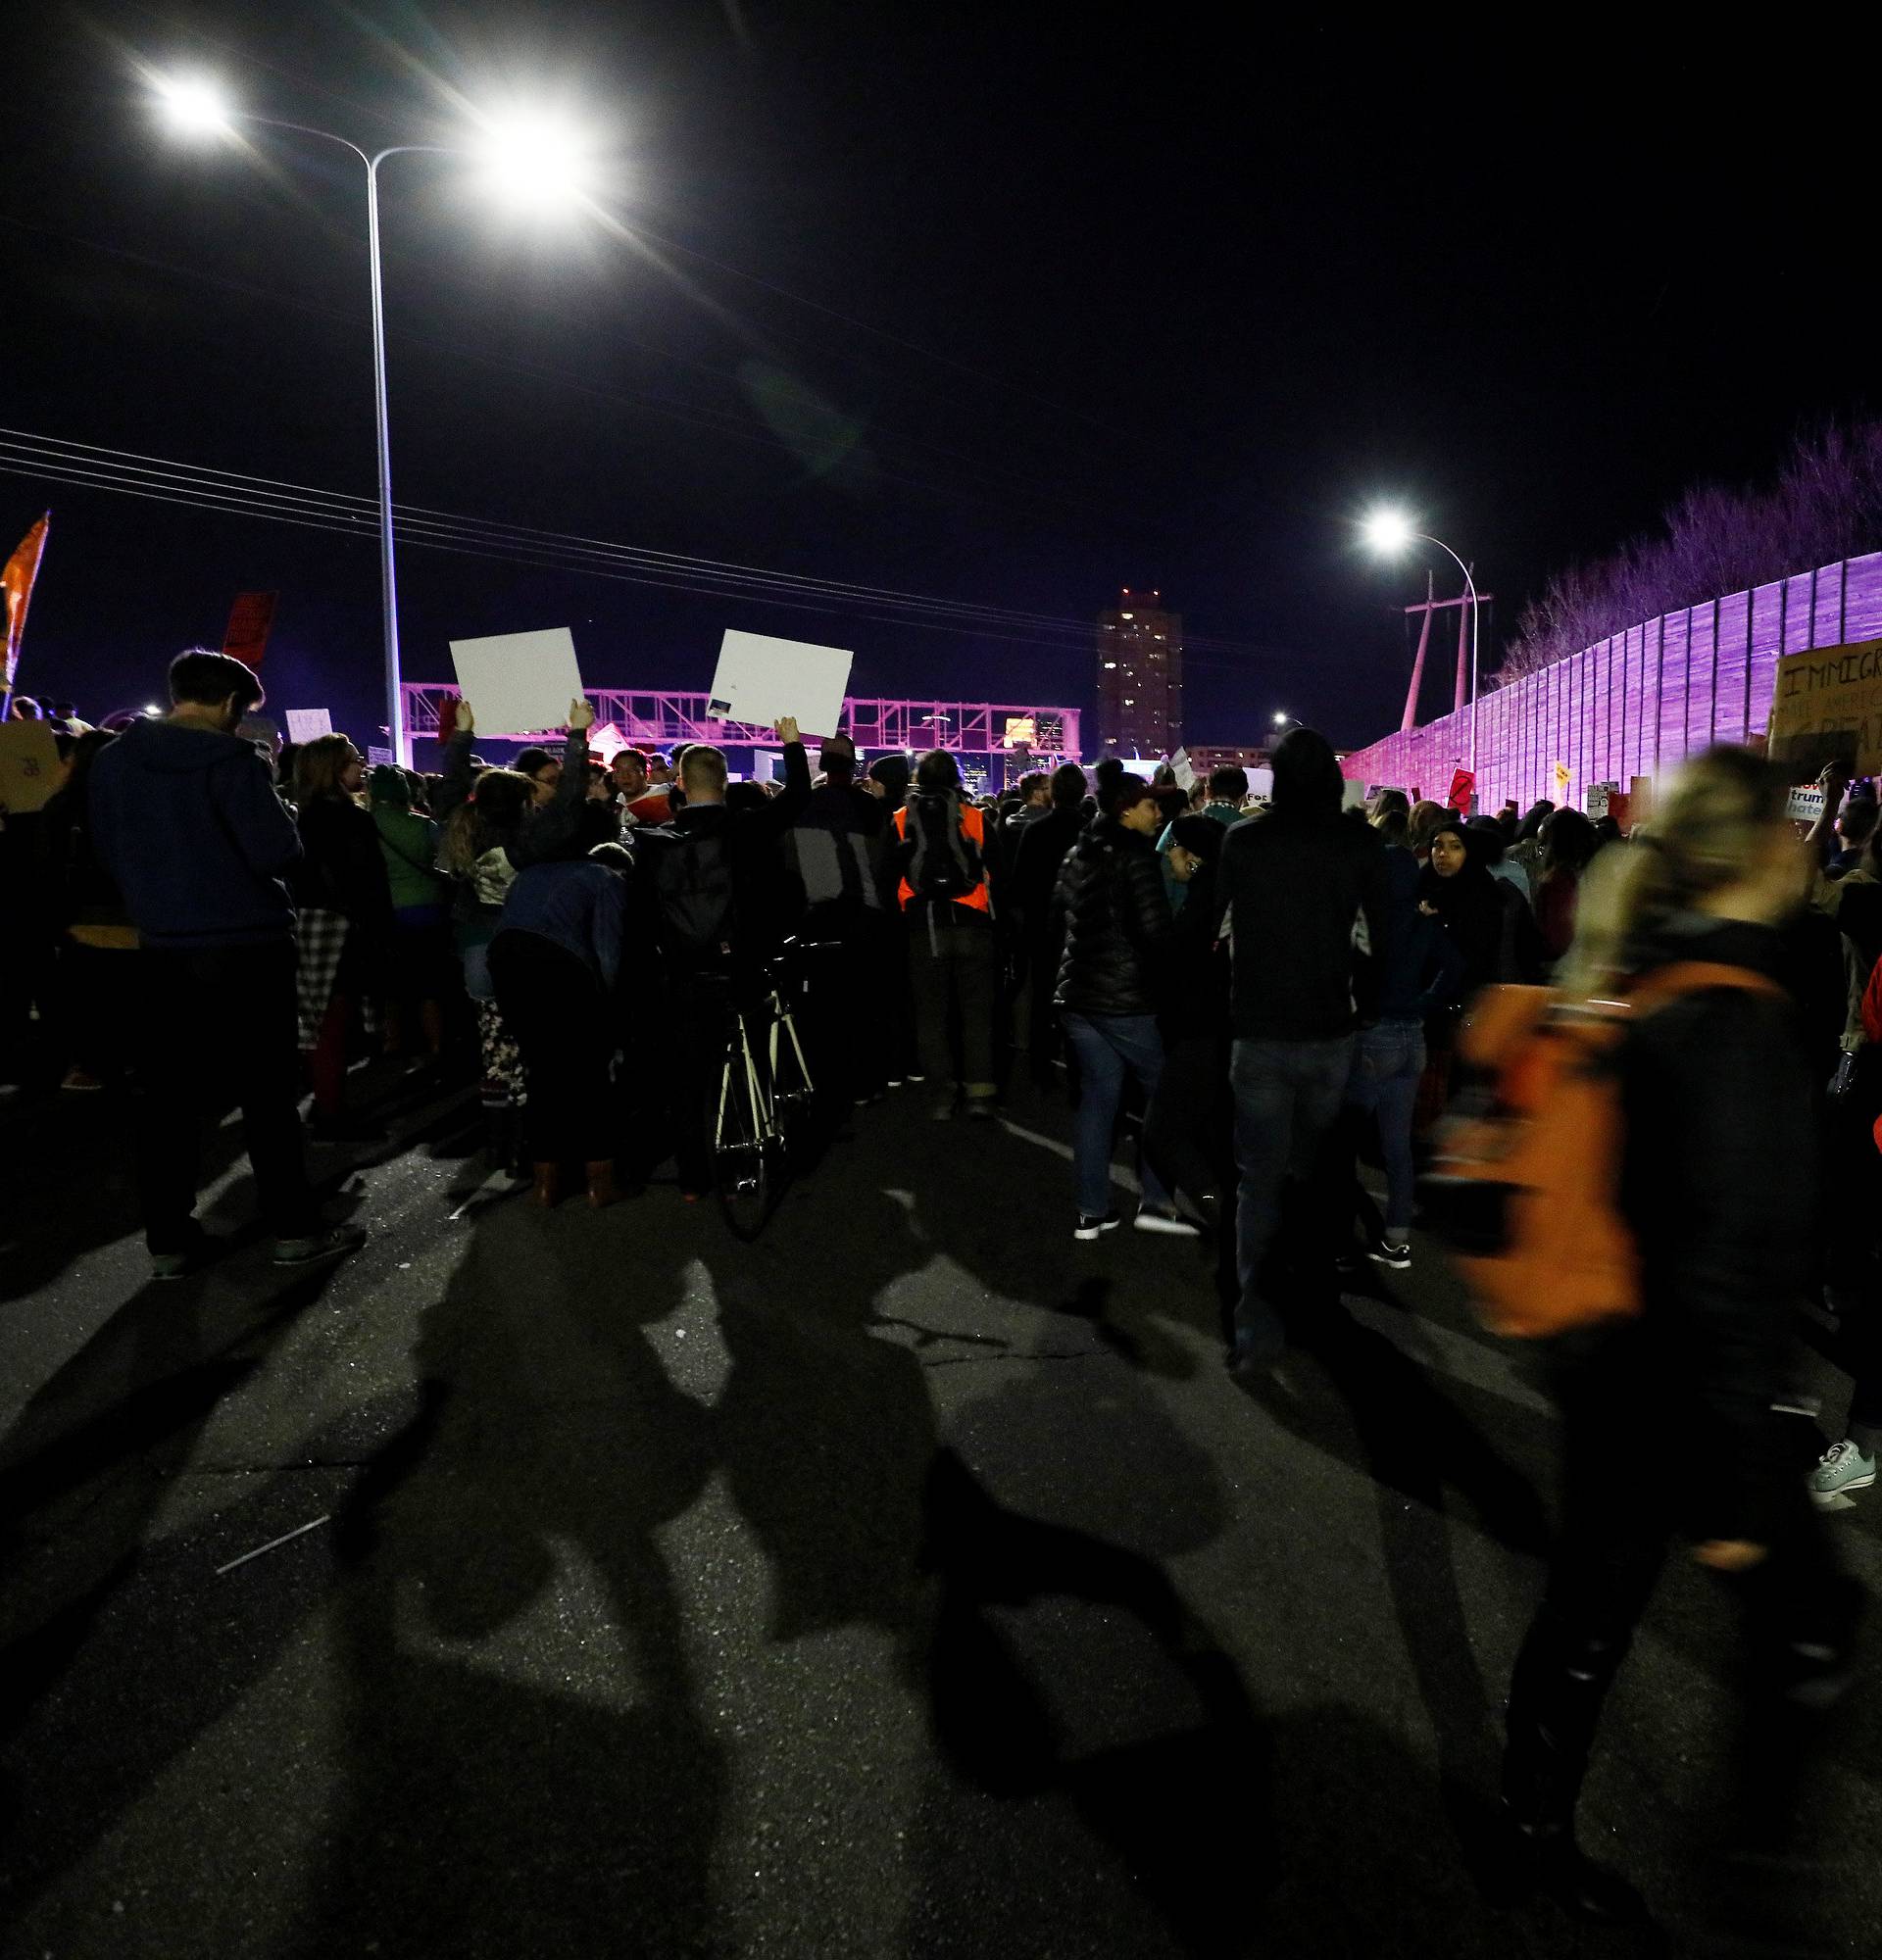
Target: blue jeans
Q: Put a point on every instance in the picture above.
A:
(1287, 1097)
(1386, 1071)
(1108, 1046)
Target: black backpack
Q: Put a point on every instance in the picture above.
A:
(943, 863)
(693, 887)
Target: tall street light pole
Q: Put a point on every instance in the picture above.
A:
(1389, 532)
(196, 108)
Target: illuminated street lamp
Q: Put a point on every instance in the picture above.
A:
(525, 160)
(1388, 533)
(1287, 721)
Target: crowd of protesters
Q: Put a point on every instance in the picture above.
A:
(1265, 997)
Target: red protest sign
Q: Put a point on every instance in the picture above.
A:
(250, 620)
(1463, 786)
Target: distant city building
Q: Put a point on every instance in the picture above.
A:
(1204, 759)
(1140, 677)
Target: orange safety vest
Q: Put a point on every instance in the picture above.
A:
(974, 823)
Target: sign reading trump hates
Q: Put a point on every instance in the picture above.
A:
(1827, 707)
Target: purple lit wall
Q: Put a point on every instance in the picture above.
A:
(1634, 704)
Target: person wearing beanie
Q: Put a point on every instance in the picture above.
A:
(418, 965)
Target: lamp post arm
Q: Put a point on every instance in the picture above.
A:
(1469, 586)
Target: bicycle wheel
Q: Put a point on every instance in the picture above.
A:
(739, 1122)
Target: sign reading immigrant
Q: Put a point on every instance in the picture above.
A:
(1827, 707)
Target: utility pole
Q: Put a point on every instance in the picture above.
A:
(1427, 606)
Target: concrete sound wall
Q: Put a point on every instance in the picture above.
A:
(1637, 702)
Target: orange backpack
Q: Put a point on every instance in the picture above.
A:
(1525, 1181)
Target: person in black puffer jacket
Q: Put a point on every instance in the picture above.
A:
(1117, 924)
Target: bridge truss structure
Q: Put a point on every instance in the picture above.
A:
(651, 719)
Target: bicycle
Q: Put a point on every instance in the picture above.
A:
(761, 1094)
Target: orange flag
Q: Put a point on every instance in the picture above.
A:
(16, 582)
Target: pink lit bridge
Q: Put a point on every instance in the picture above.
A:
(653, 718)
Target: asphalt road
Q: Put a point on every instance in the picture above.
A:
(911, 1582)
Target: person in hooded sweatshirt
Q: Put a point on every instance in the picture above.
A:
(184, 818)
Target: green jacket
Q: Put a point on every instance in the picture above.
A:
(410, 846)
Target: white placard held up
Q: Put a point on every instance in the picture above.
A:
(768, 765)
(1805, 804)
(761, 680)
(519, 683)
(1352, 795)
(307, 724)
(379, 758)
(1184, 771)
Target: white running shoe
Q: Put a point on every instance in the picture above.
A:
(1842, 1469)
(1150, 1219)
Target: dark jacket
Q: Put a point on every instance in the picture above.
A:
(1719, 1181)
(1296, 884)
(1036, 850)
(1195, 1001)
(836, 848)
(1116, 923)
(576, 904)
(187, 823)
(83, 892)
(1420, 969)
(766, 897)
(342, 868)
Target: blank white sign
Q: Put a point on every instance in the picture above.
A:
(519, 683)
(761, 680)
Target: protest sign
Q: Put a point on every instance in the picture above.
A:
(1827, 707)
(606, 741)
(307, 724)
(1600, 798)
(1261, 783)
(249, 621)
(376, 759)
(1184, 771)
(1352, 795)
(1806, 803)
(768, 765)
(1463, 790)
(760, 680)
(1561, 782)
(28, 766)
(519, 683)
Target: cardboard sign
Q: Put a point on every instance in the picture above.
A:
(1561, 782)
(760, 680)
(1464, 788)
(249, 621)
(1827, 707)
(307, 724)
(29, 770)
(519, 683)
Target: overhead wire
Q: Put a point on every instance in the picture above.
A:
(167, 480)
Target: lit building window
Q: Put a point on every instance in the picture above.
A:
(1128, 615)
(1108, 664)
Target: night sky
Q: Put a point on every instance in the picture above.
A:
(1120, 302)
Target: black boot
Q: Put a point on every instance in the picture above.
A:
(1555, 1704)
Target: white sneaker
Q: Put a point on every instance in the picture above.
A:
(1842, 1469)
(1150, 1219)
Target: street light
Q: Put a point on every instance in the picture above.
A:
(529, 160)
(1387, 533)
(1287, 721)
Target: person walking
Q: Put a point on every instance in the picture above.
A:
(942, 858)
(1297, 881)
(1117, 929)
(556, 961)
(1036, 857)
(419, 976)
(1718, 1183)
(343, 897)
(185, 820)
(1189, 1127)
